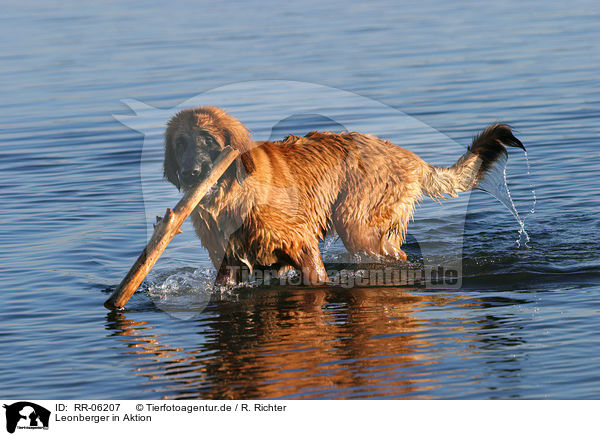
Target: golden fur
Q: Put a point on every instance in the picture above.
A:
(280, 198)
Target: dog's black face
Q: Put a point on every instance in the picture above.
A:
(195, 153)
(193, 141)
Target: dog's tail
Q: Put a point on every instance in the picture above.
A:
(487, 151)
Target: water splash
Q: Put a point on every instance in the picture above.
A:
(185, 292)
(183, 287)
(531, 187)
(495, 184)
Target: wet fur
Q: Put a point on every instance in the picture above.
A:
(280, 198)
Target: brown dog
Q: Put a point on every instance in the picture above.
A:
(279, 199)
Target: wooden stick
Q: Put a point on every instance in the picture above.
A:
(166, 229)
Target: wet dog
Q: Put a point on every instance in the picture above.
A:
(275, 203)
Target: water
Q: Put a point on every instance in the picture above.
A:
(523, 324)
(496, 184)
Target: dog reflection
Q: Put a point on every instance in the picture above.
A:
(295, 344)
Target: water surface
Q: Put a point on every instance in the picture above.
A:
(525, 322)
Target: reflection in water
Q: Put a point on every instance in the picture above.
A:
(317, 343)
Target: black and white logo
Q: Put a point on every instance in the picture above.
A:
(26, 415)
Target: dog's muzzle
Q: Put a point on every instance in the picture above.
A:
(194, 176)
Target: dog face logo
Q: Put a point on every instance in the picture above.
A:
(24, 414)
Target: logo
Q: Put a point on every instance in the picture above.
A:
(26, 415)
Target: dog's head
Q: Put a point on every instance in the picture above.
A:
(193, 140)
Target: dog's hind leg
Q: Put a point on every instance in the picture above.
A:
(310, 263)
(390, 246)
(361, 238)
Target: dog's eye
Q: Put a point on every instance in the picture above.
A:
(204, 141)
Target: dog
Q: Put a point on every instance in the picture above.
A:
(278, 199)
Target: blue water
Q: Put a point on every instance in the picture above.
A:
(525, 321)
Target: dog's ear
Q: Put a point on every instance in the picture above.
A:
(238, 137)
(170, 165)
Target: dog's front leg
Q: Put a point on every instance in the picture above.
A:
(229, 273)
(312, 267)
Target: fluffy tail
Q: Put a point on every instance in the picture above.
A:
(487, 150)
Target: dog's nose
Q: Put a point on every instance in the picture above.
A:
(190, 177)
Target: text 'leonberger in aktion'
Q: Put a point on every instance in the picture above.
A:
(275, 203)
